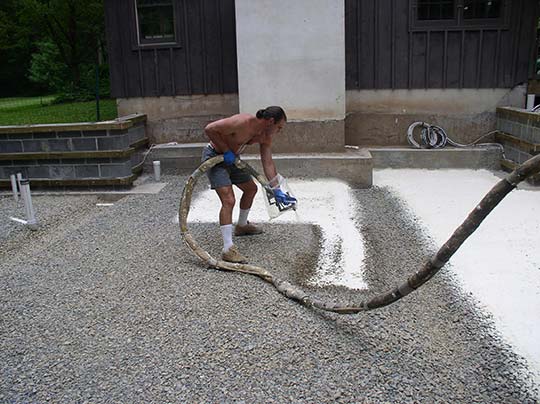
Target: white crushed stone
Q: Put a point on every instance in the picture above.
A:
(500, 262)
(325, 203)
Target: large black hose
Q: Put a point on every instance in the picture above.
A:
(428, 270)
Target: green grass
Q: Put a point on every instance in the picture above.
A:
(26, 111)
(19, 102)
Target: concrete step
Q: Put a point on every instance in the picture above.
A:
(352, 166)
(484, 157)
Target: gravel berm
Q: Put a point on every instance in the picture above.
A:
(105, 304)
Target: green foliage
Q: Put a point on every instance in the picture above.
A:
(46, 68)
(52, 45)
(16, 47)
(87, 89)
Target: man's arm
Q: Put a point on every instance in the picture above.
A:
(218, 131)
(269, 167)
(270, 171)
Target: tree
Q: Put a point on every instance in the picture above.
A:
(53, 32)
(47, 69)
(16, 47)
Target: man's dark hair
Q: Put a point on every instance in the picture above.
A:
(272, 112)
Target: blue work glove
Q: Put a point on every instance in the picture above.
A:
(283, 198)
(229, 157)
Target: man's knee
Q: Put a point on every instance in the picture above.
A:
(228, 201)
(250, 188)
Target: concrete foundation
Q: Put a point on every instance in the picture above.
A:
(166, 123)
(179, 119)
(187, 129)
(390, 129)
(374, 117)
(160, 108)
(308, 137)
(353, 167)
(382, 117)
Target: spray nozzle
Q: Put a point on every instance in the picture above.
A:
(279, 197)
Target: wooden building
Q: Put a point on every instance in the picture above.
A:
(357, 71)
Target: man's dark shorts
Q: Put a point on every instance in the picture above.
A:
(223, 175)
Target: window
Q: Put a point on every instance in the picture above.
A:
(452, 14)
(477, 9)
(155, 21)
(436, 9)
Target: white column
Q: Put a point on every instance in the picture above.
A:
(291, 53)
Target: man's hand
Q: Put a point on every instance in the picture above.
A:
(283, 198)
(229, 157)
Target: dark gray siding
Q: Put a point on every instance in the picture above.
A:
(382, 52)
(202, 62)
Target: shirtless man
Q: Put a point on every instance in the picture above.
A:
(229, 136)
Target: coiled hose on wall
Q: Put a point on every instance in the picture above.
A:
(435, 137)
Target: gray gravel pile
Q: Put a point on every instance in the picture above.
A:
(110, 306)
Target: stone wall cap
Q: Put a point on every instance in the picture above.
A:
(520, 114)
(513, 109)
(516, 111)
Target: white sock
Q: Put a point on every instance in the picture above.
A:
(226, 232)
(242, 217)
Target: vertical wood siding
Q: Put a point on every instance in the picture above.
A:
(383, 53)
(202, 62)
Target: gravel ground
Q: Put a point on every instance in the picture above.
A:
(105, 304)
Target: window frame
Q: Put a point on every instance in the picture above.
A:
(447, 22)
(136, 36)
(459, 22)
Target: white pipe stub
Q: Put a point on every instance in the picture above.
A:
(157, 170)
(27, 199)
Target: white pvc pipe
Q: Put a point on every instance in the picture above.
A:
(157, 170)
(19, 179)
(14, 187)
(530, 101)
(27, 198)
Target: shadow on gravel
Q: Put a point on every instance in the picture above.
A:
(436, 330)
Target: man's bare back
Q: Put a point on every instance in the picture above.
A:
(236, 131)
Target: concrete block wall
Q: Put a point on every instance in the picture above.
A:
(514, 153)
(86, 140)
(103, 153)
(67, 169)
(519, 133)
